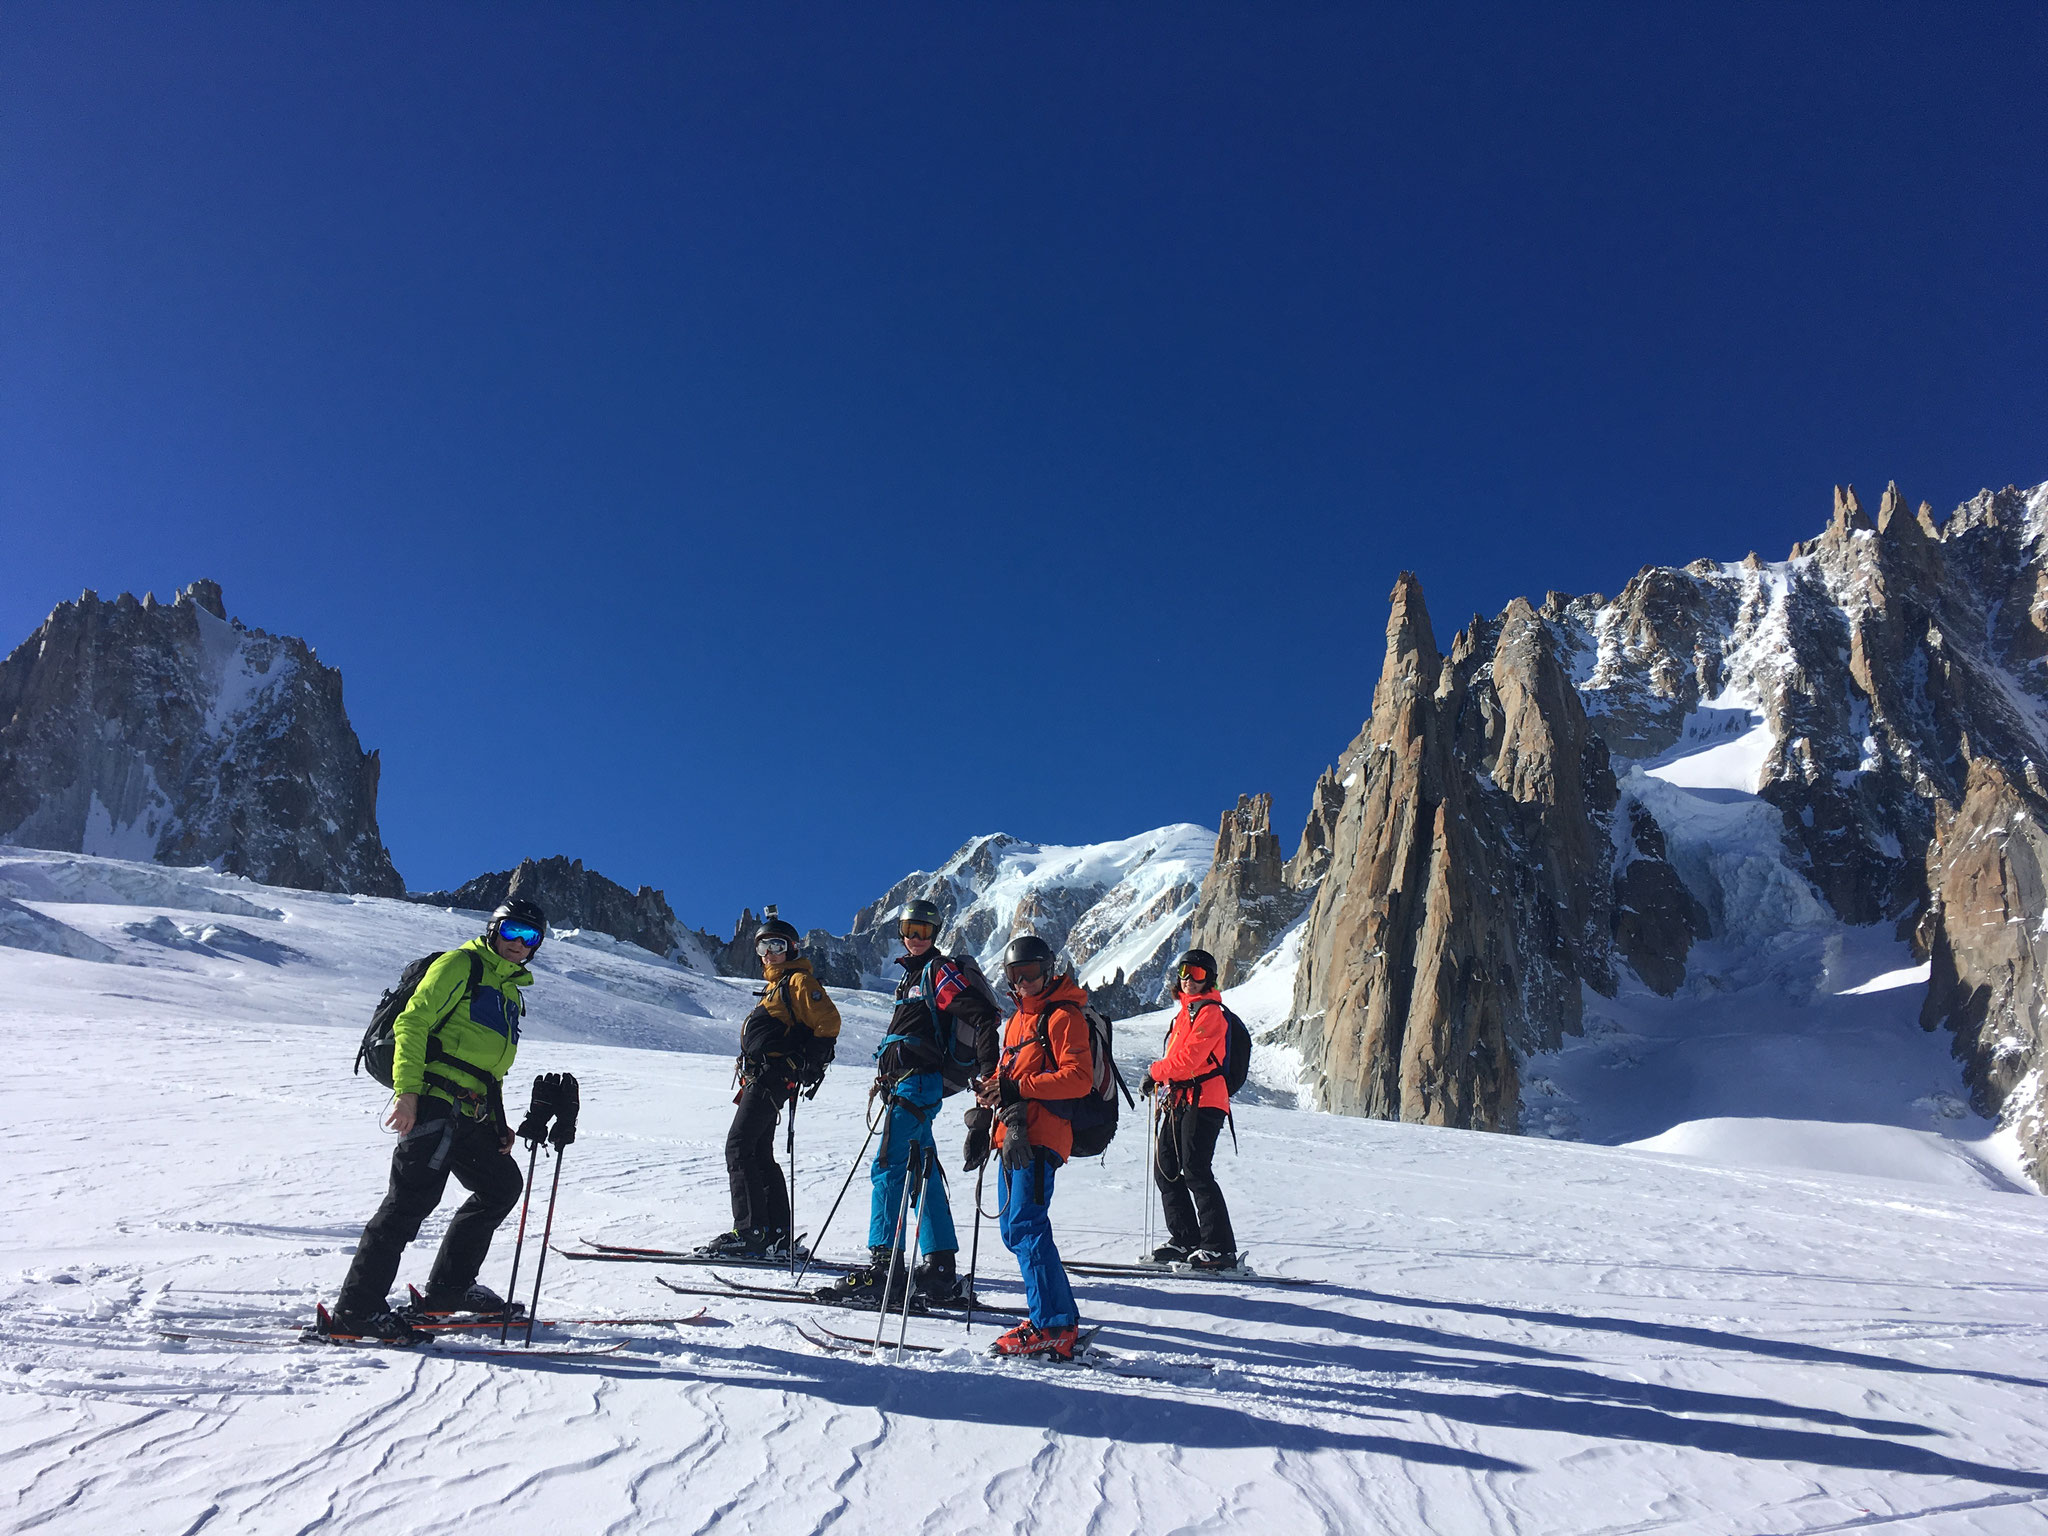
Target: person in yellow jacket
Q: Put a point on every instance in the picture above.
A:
(452, 1047)
(785, 1045)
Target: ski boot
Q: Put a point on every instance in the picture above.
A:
(477, 1300)
(1028, 1341)
(378, 1325)
(740, 1243)
(936, 1282)
(1171, 1253)
(863, 1286)
(1213, 1259)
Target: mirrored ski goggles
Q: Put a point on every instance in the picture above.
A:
(520, 933)
(771, 947)
(1027, 971)
(917, 930)
(1195, 973)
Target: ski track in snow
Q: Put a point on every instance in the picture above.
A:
(1513, 1335)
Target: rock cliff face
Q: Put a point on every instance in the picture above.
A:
(572, 897)
(167, 732)
(1879, 697)
(1246, 899)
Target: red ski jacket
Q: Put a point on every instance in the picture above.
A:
(1195, 1045)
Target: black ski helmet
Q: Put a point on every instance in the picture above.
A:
(518, 909)
(922, 911)
(1026, 948)
(774, 927)
(1199, 959)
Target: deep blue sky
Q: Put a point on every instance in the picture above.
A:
(755, 448)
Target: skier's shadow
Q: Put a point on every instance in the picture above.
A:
(1032, 1395)
(1295, 1315)
(1539, 1394)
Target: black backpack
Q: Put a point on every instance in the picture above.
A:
(380, 1047)
(962, 1043)
(1237, 1054)
(1094, 1114)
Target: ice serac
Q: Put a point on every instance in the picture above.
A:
(168, 732)
(1246, 900)
(572, 897)
(1987, 869)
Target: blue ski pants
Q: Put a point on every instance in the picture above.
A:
(1027, 1233)
(912, 1108)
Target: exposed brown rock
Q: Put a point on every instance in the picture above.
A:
(1245, 900)
(1987, 870)
(1467, 893)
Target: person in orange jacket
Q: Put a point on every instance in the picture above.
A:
(1193, 1112)
(1045, 1058)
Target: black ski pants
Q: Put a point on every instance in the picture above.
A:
(759, 1196)
(1185, 1170)
(440, 1143)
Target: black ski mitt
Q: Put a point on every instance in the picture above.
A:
(533, 1130)
(568, 1102)
(980, 1123)
(1016, 1141)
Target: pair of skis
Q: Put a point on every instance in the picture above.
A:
(1181, 1270)
(618, 1253)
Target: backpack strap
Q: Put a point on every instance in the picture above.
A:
(438, 1052)
(1217, 1068)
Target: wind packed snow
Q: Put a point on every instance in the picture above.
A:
(1505, 1334)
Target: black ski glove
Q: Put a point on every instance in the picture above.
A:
(1016, 1141)
(980, 1123)
(1148, 1087)
(814, 1069)
(533, 1130)
(568, 1102)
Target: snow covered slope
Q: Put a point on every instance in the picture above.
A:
(1507, 1335)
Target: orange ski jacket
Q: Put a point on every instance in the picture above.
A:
(1030, 1073)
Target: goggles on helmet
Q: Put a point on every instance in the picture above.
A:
(1199, 974)
(520, 933)
(915, 930)
(774, 944)
(1027, 971)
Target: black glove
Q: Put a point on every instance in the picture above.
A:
(814, 1069)
(533, 1130)
(568, 1101)
(1148, 1087)
(1016, 1141)
(980, 1123)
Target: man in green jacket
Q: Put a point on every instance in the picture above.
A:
(452, 1047)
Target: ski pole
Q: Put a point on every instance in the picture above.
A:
(910, 1163)
(519, 1242)
(1151, 1168)
(843, 1188)
(540, 1265)
(974, 1248)
(789, 1148)
(910, 1276)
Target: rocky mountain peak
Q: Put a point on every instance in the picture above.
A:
(168, 732)
(1492, 841)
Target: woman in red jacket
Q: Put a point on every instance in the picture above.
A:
(1193, 1113)
(1045, 1058)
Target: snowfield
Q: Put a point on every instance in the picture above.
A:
(1505, 1335)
